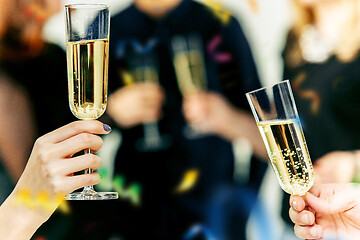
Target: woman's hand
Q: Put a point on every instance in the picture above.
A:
(328, 210)
(49, 174)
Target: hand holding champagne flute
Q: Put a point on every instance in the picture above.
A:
(279, 125)
(87, 52)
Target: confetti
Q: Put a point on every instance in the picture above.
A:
(221, 57)
(42, 200)
(132, 193)
(218, 10)
(189, 179)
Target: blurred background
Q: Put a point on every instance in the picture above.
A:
(265, 24)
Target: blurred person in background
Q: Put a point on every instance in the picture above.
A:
(33, 98)
(34, 92)
(191, 182)
(321, 59)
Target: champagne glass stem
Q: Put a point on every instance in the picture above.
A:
(88, 189)
(151, 132)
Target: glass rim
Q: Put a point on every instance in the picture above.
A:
(265, 87)
(87, 6)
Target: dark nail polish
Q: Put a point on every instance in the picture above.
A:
(107, 127)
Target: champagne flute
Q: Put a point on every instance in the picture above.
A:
(277, 118)
(190, 71)
(144, 68)
(87, 50)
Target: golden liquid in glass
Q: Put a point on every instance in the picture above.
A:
(87, 63)
(288, 153)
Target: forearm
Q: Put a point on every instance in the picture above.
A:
(17, 222)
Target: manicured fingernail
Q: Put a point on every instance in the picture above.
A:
(315, 232)
(106, 127)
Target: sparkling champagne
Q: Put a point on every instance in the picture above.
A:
(288, 153)
(87, 63)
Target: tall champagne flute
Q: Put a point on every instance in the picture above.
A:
(144, 68)
(87, 50)
(188, 61)
(277, 118)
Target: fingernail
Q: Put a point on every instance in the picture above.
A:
(294, 204)
(315, 232)
(106, 127)
(305, 219)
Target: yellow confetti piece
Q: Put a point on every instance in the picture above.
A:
(218, 10)
(24, 198)
(41, 201)
(189, 180)
(128, 79)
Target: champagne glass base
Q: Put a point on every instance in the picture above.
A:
(92, 195)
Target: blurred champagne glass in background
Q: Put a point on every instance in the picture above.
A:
(188, 60)
(144, 68)
(276, 116)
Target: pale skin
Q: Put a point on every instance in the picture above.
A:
(50, 170)
(327, 210)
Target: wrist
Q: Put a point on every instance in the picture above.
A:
(17, 221)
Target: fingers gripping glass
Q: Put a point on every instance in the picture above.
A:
(87, 50)
(279, 125)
